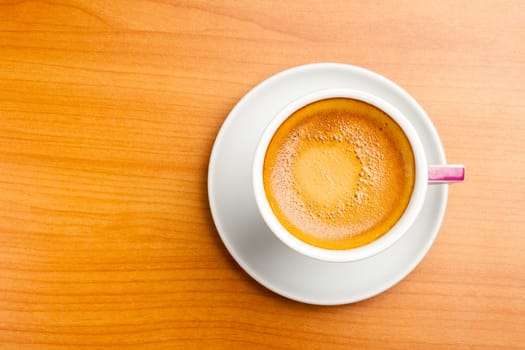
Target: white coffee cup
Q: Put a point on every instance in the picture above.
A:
(422, 171)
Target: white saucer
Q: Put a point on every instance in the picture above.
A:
(253, 245)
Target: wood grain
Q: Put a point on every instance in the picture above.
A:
(108, 112)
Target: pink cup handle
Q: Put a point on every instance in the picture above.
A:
(446, 173)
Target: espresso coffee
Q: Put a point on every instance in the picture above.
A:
(339, 173)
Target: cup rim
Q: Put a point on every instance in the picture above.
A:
(396, 232)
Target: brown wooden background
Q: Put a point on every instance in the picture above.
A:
(108, 112)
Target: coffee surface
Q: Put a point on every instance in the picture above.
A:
(339, 173)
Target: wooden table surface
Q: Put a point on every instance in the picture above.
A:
(108, 113)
